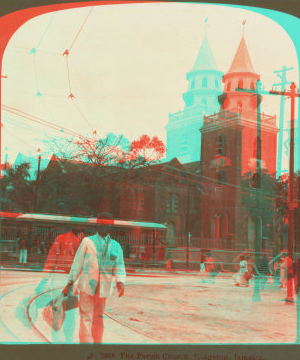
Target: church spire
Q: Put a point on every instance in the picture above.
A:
(241, 61)
(205, 59)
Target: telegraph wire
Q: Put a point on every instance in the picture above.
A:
(54, 13)
(67, 53)
(81, 28)
(39, 120)
(81, 113)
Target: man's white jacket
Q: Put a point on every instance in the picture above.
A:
(98, 260)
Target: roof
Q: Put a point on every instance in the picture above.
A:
(59, 219)
(205, 59)
(33, 162)
(192, 167)
(241, 61)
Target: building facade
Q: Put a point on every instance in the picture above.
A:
(233, 209)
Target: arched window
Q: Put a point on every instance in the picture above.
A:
(184, 145)
(241, 84)
(221, 145)
(220, 226)
(228, 86)
(140, 200)
(204, 82)
(170, 233)
(193, 84)
(216, 84)
(221, 177)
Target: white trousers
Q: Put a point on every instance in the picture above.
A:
(23, 256)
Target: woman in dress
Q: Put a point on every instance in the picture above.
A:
(239, 278)
(202, 265)
(283, 273)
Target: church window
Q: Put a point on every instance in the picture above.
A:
(204, 102)
(221, 177)
(184, 145)
(216, 84)
(229, 86)
(220, 226)
(221, 145)
(204, 82)
(193, 84)
(241, 84)
(173, 202)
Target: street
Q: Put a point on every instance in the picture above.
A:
(158, 308)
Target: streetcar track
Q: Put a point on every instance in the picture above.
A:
(1, 297)
(105, 313)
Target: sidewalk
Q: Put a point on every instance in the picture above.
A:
(166, 308)
(129, 271)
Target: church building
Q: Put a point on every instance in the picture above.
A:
(231, 214)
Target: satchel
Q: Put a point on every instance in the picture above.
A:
(54, 312)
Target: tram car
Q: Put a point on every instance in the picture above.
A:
(142, 242)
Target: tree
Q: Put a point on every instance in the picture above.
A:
(18, 193)
(151, 150)
(91, 173)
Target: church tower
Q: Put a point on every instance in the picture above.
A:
(201, 98)
(228, 151)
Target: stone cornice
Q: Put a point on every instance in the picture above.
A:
(204, 72)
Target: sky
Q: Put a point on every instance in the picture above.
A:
(126, 68)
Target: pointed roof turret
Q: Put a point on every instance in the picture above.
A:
(205, 59)
(241, 61)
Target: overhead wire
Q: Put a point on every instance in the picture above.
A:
(67, 53)
(39, 120)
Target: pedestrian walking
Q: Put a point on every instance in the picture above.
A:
(60, 258)
(98, 261)
(283, 273)
(239, 278)
(23, 246)
(168, 260)
(202, 266)
(290, 276)
(209, 268)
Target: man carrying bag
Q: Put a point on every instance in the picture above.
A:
(98, 260)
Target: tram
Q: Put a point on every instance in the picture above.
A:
(142, 242)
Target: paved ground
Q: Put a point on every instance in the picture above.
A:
(158, 307)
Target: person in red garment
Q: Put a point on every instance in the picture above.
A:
(209, 268)
(60, 258)
(97, 263)
(290, 277)
(63, 250)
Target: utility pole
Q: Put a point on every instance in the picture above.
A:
(256, 294)
(257, 93)
(282, 75)
(291, 203)
(187, 227)
(37, 180)
(154, 220)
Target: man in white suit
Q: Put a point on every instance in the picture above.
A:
(98, 260)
